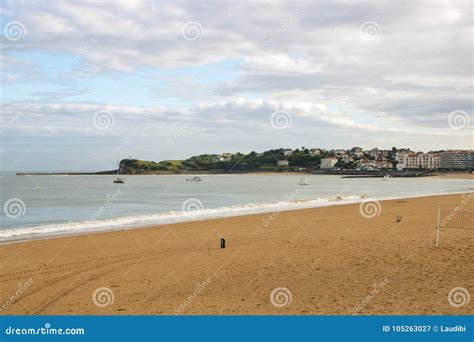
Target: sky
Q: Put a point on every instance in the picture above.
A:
(86, 83)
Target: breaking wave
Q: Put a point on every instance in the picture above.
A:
(169, 217)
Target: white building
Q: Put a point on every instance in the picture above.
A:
(380, 154)
(287, 152)
(339, 152)
(283, 163)
(327, 163)
(314, 152)
(367, 164)
(383, 165)
(409, 160)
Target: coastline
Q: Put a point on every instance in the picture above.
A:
(329, 258)
(111, 225)
(342, 173)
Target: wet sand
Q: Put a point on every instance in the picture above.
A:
(454, 175)
(330, 260)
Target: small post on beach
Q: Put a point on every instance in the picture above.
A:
(399, 218)
(222, 243)
(437, 226)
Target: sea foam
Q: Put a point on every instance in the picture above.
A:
(169, 217)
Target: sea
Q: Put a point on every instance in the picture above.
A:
(41, 206)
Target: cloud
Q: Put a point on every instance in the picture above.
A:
(391, 69)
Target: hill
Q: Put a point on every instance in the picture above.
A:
(252, 162)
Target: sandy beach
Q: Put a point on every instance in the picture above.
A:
(454, 175)
(330, 260)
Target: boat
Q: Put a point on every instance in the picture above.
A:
(386, 177)
(303, 181)
(194, 179)
(119, 180)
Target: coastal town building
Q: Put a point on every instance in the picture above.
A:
(357, 152)
(383, 165)
(367, 164)
(327, 163)
(283, 163)
(380, 154)
(456, 160)
(347, 159)
(410, 160)
(287, 152)
(339, 152)
(314, 152)
(374, 152)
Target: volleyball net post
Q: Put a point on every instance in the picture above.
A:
(437, 226)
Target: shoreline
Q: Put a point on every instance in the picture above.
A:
(348, 172)
(341, 173)
(229, 214)
(328, 259)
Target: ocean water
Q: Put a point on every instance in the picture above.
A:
(38, 206)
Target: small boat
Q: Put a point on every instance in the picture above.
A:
(194, 179)
(386, 177)
(303, 181)
(118, 180)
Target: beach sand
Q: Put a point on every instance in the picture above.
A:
(329, 260)
(454, 175)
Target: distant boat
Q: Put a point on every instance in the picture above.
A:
(117, 179)
(303, 181)
(386, 177)
(194, 179)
